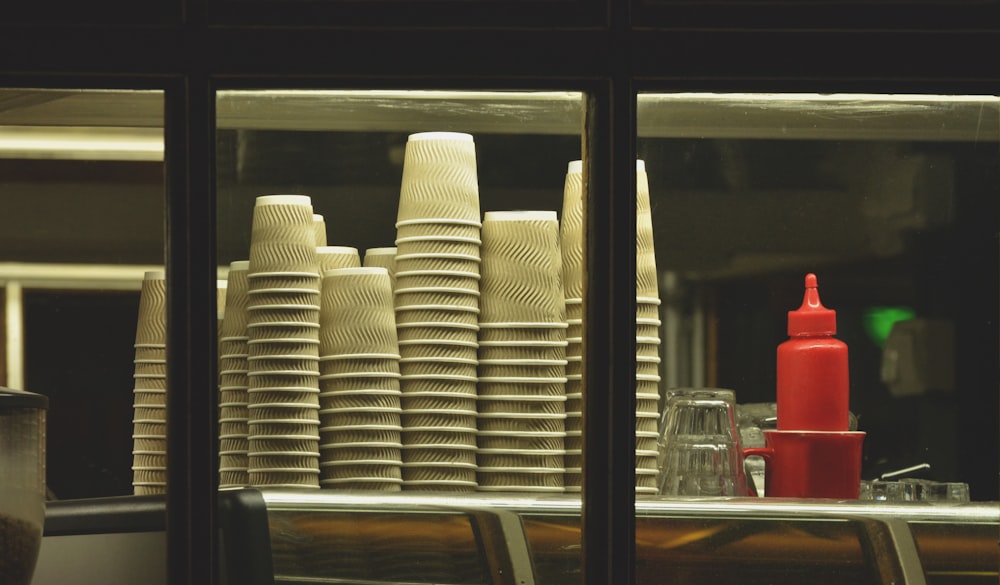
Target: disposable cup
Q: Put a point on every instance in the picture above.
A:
(357, 383)
(439, 178)
(142, 369)
(261, 349)
(449, 279)
(149, 476)
(268, 283)
(151, 327)
(233, 445)
(319, 223)
(283, 479)
(434, 457)
(417, 314)
(462, 421)
(522, 268)
(454, 263)
(536, 437)
(359, 419)
(498, 387)
(149, 461)
(333, 257)
(459, 386)
(442, 402)
(437, 245)
(382, 257)
(390, 436)
(435, 296)
(234, 321)
(153, 428)
(502, 478)
(284, 380)
(571, 230)
(297, 461)
(430, 352)
(502, 350)
(504, 422)
(436, 369)
(439, 227)
(351, 367)
(283, 235)
(151, 352)
(289, 428)
(442, 331)
(340, 454)
(426, 474)
(282, 329)
(302, 314)
(363, 472)
(516, 462)
(487, 406)
(229, 479)
(149, 444)
(154, 413)
(363, 483)
(526, 333)
(532, 371)
(439, 438)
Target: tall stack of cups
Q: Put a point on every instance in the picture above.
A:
(522, 354)
(437, 266)
(647, 332)
(571, 241)
(283, 345)
(149, 420)
(234, 444)
(360, 431)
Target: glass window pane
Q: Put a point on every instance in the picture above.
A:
(891, 200)
(82, 188)
(451, 376)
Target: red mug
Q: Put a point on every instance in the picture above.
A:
(811, 464)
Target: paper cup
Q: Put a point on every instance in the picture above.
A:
(151, 327)
(334, 257)
(439, 178)
(505, 422)
(447, 279)
(439, 227)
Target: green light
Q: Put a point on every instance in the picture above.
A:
(879, 321)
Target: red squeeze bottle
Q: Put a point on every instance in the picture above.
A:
(813, 385)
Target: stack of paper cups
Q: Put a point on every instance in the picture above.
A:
(522, 344)
(360, 430)
(571, 239)
(283, 345)
(647, 331)
(234, 444)
(149, 419)
(437, 271)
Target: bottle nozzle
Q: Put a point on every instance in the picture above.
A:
(812, 318)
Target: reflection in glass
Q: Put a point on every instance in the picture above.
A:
(892, 200)
(82, 191)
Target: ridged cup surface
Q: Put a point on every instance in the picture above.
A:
(571, 231)
(439, 180)
(521, 270)
(151, 327)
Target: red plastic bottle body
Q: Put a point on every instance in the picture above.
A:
(813, 386)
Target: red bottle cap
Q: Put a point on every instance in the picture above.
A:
(812, 318)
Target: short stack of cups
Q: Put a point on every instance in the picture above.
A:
(149, 414)
(522, 354)
(571, 232)
(360, 431)
(437, 271)
(647, 331)
(234, 443)
(283, 345)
